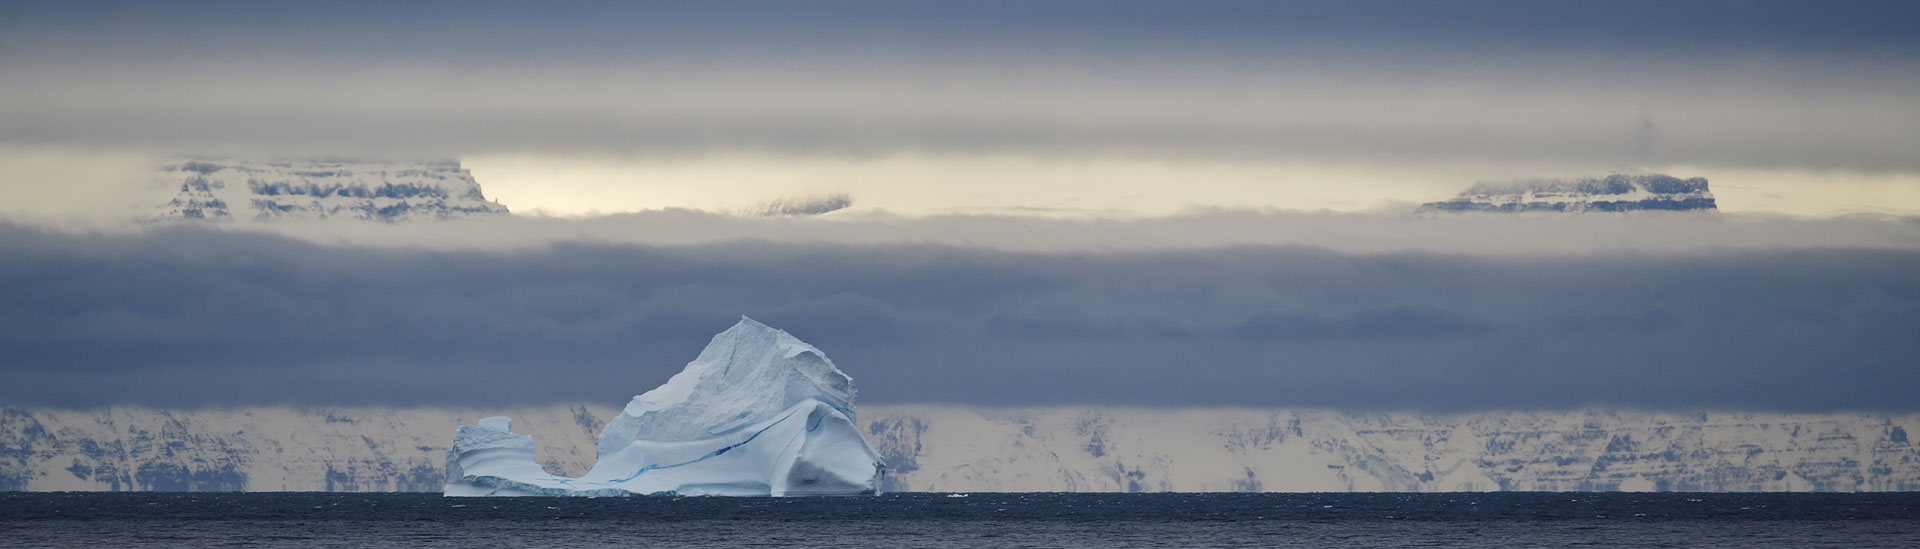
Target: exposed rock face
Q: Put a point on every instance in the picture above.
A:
(1613, 193)
(373, 191)
(947, 448)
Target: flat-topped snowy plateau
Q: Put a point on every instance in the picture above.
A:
(322, 189)
(1613, 193)
(759, 413)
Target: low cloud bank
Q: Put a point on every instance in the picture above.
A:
(186, 316)
(1358, 233)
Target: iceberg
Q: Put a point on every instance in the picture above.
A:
(759, 413)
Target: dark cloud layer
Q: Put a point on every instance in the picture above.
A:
(189, 317)
(518, 31)
(1805, 85)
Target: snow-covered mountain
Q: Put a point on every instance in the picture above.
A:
(1613, 193)
(945, 448)
(1282, 450)
(322, 189)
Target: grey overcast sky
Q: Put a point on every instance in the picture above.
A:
(571, 107)
(1232, 179)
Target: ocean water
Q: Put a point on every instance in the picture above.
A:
(991, 520)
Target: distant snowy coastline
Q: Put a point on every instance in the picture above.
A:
(979, 449)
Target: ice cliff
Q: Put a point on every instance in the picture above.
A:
(759, 413)
(1613, 193)
(322, 189)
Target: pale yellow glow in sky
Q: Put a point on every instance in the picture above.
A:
(1810, 193)
(930, 185)
(47, 182)
(922, 185)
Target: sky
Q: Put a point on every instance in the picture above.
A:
(1055, 203)
(576, 108)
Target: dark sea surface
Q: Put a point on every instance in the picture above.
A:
(992, 520)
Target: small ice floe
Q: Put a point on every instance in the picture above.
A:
(956, 495)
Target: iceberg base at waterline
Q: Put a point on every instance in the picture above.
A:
(759, 413)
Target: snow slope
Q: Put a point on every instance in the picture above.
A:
(951, 448)
(941, 448)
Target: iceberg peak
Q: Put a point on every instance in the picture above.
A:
(759, 412)
(746, 374)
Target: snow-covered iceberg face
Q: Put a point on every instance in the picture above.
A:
(759, 413)
(746, 375)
